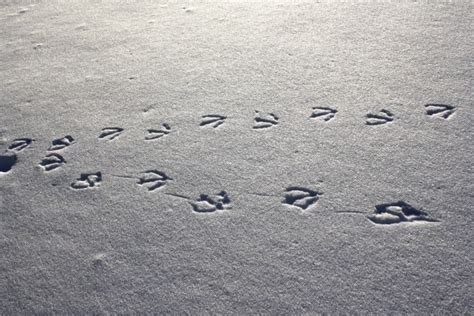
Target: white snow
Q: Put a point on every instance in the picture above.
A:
(227, 157)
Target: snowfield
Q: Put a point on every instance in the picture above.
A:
(236, 157)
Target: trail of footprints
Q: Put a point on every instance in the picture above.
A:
(153, 180)
(52, 161)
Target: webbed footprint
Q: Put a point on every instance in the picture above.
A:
(209, 204)
(212, 120)
(158, 133)
(324, 113)
(61, 143)
(383, 117)
(300, 197)
(440, 110)
(265, 120)
(87, 180)
(153, 179)
(110, 133)
(398, 212)
(52, 161)
(19, 144)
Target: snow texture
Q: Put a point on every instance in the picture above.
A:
(236, 157)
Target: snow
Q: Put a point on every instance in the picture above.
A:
(227, 157)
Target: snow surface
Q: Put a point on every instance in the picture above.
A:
(217, 157)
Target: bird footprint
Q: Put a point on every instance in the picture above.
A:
(441, 110)
(383, 117)
(323, 112)
(19, 144)
(300, 197)
(158, 133)
(153, 179)
(87, 180)
(398, 212)
(212, 120)
(265, 120)
(210, 204)
(52, 161)
(62, 143)
(110, 133)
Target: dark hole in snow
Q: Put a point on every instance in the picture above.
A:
(7, 162)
